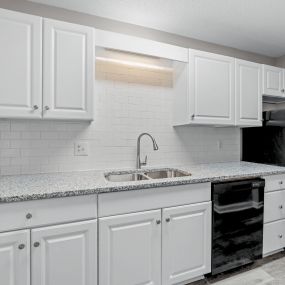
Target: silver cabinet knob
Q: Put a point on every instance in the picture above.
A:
(158, 222)
(281, 182)
(35, 107)
(167, 220)
(29, 216)
(281, 207)
(280, 236)
(46, 108)
(193, 117)
(21, 246)
(282, 90)
(36, 244)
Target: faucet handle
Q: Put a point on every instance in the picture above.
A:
(145, 161)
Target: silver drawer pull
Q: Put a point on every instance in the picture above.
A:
(167, 220)
(281, 207)
(29, 216)
(158, 222)
(280, 236)
(21, 246)
(280, 182)
(36, 244)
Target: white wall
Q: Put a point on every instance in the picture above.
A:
(122, 111)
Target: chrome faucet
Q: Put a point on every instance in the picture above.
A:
(155, 147)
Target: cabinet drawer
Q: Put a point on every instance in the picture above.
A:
(274, 206)
(36, 213)
(135, 201)
(274, 182)
(273, 236)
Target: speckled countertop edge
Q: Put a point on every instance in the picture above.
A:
(56, 185)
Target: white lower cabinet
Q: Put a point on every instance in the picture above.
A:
(186, 242)
(130, 246)
(65, 254)
(15, 258)
(130, 249)
(273, 237)
(274, 214)
(139, 238)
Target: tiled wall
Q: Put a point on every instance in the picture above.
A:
(122, 111)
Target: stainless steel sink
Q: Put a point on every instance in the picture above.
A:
(125, 177)
(166, 173)
(145, 175)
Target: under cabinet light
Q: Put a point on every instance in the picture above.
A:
(134, 64)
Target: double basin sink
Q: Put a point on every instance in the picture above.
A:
(139, 175)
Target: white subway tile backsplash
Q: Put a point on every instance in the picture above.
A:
(9, 152)
(122, 111)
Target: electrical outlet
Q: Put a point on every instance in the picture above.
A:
(81, 148)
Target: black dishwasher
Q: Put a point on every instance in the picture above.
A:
(237, 223)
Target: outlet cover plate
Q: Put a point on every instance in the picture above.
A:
(81, 149)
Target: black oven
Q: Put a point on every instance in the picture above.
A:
(237, 223)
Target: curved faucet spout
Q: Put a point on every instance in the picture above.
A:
(155, 147)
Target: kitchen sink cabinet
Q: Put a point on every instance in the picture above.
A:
(186, 242)
(65, 254)
(15, 258)
(165, 246)
(130, 249)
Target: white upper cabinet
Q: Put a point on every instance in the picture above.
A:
(130, 249)
(21, 65)
(15, 258)
(248, 93)
(186, 242)
(211, 88)
(273, 81)
(68, 73)
(65, 254)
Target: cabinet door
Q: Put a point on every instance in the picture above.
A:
(274, 206)
(15, 258)
(211, 88)
(21, 65)
(273, 80)
(186, 242)
(130, 249)
(69, 62)
(273, 237)
(65, 254)
(248, 93)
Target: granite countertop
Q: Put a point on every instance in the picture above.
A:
(53, 185)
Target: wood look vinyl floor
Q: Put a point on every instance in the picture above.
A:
(268, 271)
